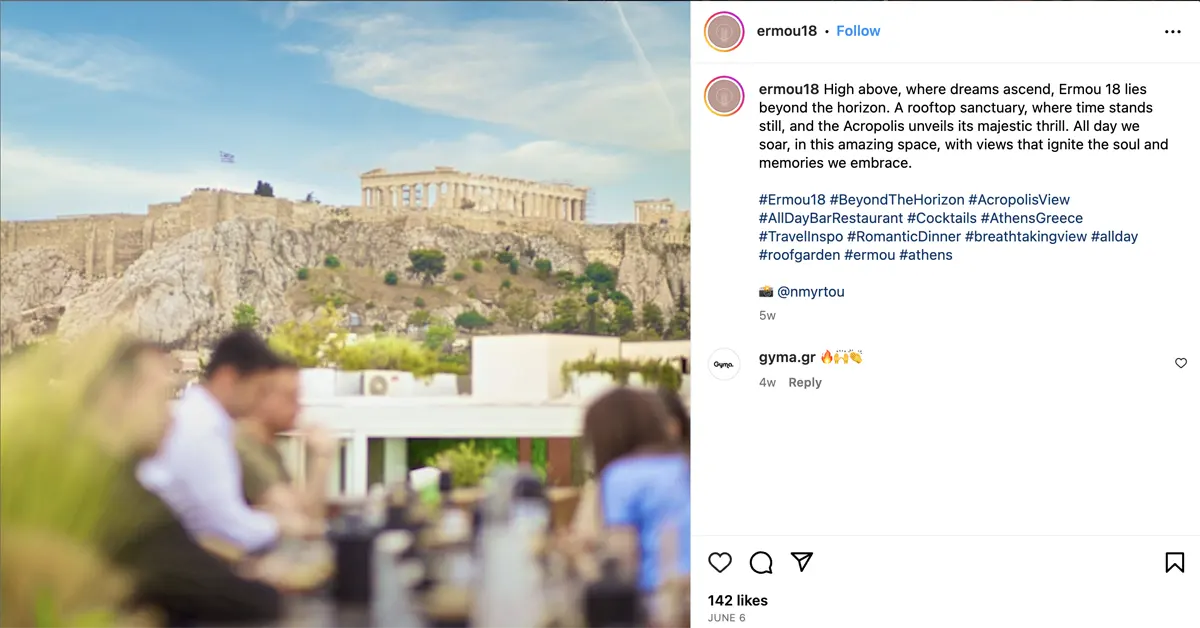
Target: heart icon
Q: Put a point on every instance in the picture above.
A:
(1181, 362)
(720, 561)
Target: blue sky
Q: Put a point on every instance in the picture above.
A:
(110, 106)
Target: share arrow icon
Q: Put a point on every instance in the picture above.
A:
(802, 559)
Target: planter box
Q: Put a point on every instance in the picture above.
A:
(587, 385)
(440, 385)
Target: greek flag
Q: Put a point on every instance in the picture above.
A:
(226, 158)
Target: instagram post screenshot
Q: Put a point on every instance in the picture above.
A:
(945, 299)
(347, 314)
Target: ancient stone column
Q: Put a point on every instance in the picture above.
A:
(364, 197)
(425, 195)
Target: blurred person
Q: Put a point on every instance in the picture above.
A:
(642, 477)
(679, 424)
(197, 471)
(587, 523)
(266, 481)
(129, 409)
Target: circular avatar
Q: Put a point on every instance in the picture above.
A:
(724, 31)
(724, 96)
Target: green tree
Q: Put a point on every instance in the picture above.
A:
(602, 276)
(419, 318)
(680, 327)
(514, 267)
(543, 267)
(302, 274)
(471, 320)
(506, 284)
(439, 336)
(426, 264)
(332, 261)
(477, 266)
(505, 257)
(419, 302)
(566, 316)
(623, 320)
(264, 189)
(313, 344)
(520, 308)
(391, 278)
(459, 276)
(619, 297)
(245, 316)
(652, 318)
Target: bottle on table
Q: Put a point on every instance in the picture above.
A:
(508, 567)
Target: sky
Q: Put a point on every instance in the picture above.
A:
(111, 106)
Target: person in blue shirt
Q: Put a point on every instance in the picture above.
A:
(643, 476)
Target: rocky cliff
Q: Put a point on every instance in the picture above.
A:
(183, 292)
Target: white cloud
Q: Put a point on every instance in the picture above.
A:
(598, 73)
(300, 49)
(40, 184)
(546, 160)
(104, 63)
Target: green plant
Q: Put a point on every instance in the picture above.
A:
(459, 276)
(391, 278)
(245, 317)
(477, 266)
(302, 274)
(652, 318)
(419, 302)
(506, 284)
(58, 513)
(419, 318)
(602, 276)
(332, 261)
(472, 293)
(467, 464)
(514, 267)
(564, 277)
(439, 335)
(593, 298)
(520, 307)
(388, 353)
(543, 267)
(471, 319)
(654, 373)
(427, 264)
(312, 344)
(504, 257)
(378, 328)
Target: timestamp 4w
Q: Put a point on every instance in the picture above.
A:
(740, 599)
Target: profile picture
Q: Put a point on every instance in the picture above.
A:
(724, 96)
(724, 31)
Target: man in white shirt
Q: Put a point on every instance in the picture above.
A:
(197, 472)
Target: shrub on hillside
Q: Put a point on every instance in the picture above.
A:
(477, 266)
(332, 261)
(302, 274)
(391, 278)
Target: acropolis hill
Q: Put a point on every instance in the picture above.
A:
(103, 245)
(177, 272)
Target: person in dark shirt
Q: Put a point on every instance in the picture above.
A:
(171, 571)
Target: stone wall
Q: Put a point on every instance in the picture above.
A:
(105, 245)
(661, 212)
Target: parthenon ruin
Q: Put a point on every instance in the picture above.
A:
(447, 188)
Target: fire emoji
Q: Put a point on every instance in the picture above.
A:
(827, 358)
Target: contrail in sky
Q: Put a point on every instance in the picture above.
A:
(648, 68)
